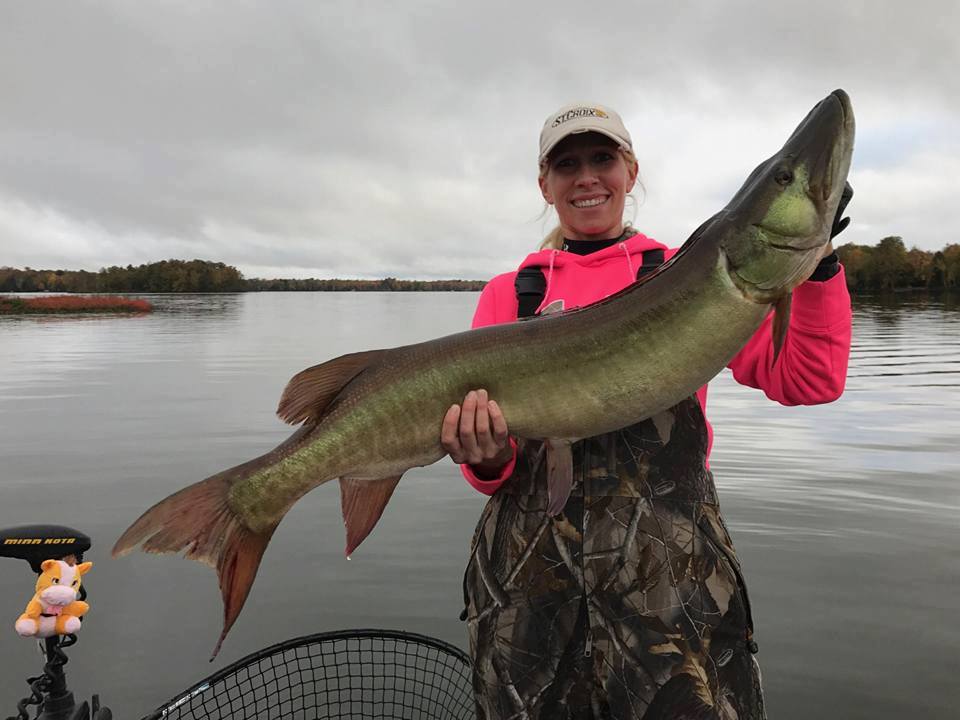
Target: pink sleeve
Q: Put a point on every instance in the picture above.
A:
(812, 367)
(487, 312)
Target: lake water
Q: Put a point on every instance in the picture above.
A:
(845, 516)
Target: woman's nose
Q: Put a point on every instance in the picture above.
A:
(586, 176)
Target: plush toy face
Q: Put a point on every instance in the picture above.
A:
(59, 582)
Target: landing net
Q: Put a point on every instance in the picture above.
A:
(352, 674)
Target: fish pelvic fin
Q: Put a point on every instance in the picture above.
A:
(559, 455)
(362, 503)
(310, 392)
(781, 321)
(198, 521)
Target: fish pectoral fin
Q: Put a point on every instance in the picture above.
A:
(559, 473)
(310, 391)
(781, 321)
(362, 502)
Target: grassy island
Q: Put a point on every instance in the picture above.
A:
(60, 304)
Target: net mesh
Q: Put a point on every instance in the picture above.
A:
(356, 674)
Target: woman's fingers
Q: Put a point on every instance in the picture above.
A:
(498, 422)
(482, 424)
(475, 431)
(449, 434)
(468, 428)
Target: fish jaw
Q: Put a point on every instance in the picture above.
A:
(780, 219)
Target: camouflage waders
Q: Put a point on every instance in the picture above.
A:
(630, 604)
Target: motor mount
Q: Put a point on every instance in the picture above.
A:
(36, 543)
(49, 691)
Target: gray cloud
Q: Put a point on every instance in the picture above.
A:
(368, 139)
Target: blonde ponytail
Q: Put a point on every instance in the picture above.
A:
(553, 240)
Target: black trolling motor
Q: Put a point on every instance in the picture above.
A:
(53, 616)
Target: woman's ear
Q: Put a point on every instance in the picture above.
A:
(633, 169)
(547, 195)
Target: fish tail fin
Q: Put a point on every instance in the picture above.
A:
(198, 521)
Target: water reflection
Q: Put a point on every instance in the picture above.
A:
(844, 515)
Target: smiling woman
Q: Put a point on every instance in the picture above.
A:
(629, 600)
(586, 175)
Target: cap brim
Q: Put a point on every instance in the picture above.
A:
(579, 131)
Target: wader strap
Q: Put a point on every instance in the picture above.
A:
(652, 259)
(530, 284)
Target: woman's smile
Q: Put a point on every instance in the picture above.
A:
(589, 202)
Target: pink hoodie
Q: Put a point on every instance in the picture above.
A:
(813, 366)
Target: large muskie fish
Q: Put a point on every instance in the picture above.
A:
(370, 416)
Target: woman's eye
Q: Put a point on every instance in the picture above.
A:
(564, 163)
(602, 157)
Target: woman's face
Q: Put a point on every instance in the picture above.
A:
(587, 180)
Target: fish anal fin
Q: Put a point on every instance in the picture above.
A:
(781, 321)
(362, 502)
(559, 456)
(310, 391)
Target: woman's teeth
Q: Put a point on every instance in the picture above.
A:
(589, 203)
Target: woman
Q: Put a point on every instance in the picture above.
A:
(631, 602)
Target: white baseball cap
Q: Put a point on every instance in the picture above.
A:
(580, 118)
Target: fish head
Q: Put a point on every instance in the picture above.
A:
(780, 220)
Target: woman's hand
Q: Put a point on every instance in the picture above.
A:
(475, 433)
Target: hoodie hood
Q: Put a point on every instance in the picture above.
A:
(632, 246)
(578, 280)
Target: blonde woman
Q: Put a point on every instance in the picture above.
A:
(630, 603)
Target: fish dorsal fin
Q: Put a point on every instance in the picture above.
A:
(362, 503)
(781, 321)
(310, 391)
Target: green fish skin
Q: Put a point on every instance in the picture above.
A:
(368, 417)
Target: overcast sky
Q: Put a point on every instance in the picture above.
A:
(373, 139)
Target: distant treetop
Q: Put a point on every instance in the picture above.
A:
(188, 276)
(889, 265)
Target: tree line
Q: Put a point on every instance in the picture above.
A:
(174, 276)
(186, 276)
(885, 266)
(890, 266)
(387, 284)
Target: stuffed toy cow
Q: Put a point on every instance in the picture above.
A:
(55, 609)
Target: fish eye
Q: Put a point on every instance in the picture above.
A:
(783, 177)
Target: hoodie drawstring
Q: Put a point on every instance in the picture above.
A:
(546, 293)
(623, 246)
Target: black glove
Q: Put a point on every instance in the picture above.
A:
(840, 222)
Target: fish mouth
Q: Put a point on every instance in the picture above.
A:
(784, 242)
